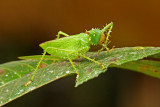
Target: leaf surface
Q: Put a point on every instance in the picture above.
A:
(148, 67)
(14, 75)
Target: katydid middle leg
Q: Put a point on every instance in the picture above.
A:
(61, 33)
(93, 60)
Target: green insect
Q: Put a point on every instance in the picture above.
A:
(72, 46)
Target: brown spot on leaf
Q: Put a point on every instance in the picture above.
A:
(148, 68)
(90, 70)
(75, 63)
(43, 65)
(113, 60)
(60, 64)
(155, 71)
(2, 71)
(145, 68)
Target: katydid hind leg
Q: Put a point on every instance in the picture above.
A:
(61, 33)
(74, 68)
(37, 67)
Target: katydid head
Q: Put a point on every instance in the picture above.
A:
(95, 35)
(99, 37)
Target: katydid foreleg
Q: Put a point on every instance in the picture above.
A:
(104, 45)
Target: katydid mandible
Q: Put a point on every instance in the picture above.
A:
(72, 46)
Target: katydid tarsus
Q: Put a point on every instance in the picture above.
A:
(72, 46)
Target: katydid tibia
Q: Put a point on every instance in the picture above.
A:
(72, 46)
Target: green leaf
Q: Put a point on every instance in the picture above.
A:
(148, 67)
(14, 75)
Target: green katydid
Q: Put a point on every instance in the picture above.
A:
(72, 46)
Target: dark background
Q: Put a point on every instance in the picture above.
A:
(24, 24)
